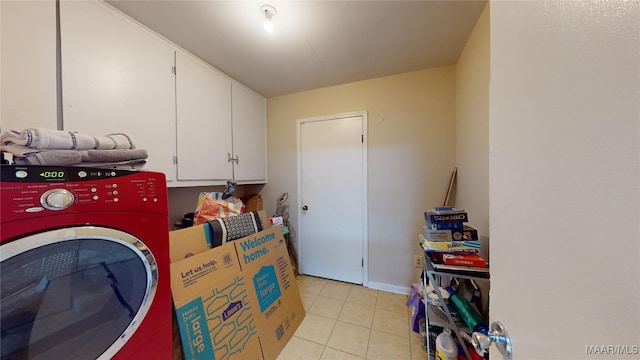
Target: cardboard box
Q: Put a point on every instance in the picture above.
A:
(265, 260)
(196, 239)
(214, 309)
(187, 242)
(236, 301)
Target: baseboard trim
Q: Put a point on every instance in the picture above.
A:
(404, 290)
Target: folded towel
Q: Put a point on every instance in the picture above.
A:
(86, 157)
(38, 138)
(65, 160)
(97, 156)
(136, 165)
(20, 150)
(51, 157)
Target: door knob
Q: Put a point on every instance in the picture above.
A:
(498, 334)
(305, 208)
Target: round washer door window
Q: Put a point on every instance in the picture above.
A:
(73, 293)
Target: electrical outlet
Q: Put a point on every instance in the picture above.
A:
(417, 261)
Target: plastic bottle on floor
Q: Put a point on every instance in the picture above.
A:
(446, 347)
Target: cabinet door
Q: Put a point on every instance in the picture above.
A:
(203, 98)
(249, 134)
(117, 77)
(28, 65)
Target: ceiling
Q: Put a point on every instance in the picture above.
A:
(314, 43)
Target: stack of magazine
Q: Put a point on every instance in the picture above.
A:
(450, 242)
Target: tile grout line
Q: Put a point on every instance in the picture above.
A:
(332, 328)
(377, 306)
(336, 323)
(344, 302)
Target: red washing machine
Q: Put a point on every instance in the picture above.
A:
(84, 264)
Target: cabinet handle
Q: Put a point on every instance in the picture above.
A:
(232, 159)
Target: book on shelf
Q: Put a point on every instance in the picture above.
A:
(441, 210)
(436, 261)
(467, 233)
(434, 218)
(446, 226)
(473, 260)
(449, 246)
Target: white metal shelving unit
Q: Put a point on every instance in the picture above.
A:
(430, 272)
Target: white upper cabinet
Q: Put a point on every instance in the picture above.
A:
(221, 126)
(117, 77)
(28, 65)
(199, 126)
(203, 118)
(249, 134)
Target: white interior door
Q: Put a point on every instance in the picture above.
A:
(332, 197)
(564, 178)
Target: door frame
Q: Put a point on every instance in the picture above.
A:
(365, 213)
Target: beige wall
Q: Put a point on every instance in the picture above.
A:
(472, 135)
(411, 152)
(28, 65)
(472, 129)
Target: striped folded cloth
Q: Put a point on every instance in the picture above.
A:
(85, 157)
(233, 228)
(46, 139)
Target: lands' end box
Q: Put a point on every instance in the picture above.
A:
(236, 301)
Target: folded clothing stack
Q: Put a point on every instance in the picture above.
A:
(38, 146)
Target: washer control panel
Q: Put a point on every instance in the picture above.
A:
(31, 191)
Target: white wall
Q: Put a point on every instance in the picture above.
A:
(564, 129)
(411, 152)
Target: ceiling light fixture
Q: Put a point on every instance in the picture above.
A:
(269, 12)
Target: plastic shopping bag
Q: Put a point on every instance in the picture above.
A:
(211, 206)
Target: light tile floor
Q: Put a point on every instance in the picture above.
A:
(350, 322)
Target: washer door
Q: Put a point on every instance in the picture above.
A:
(73, 293)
